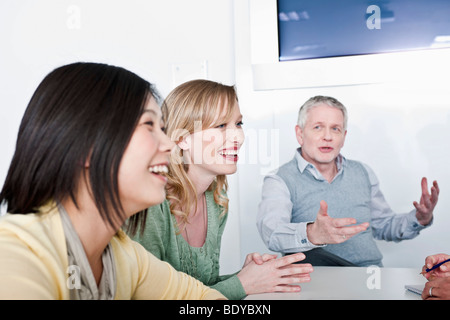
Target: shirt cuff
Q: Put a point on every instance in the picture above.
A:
(302, 238)
(414, 224)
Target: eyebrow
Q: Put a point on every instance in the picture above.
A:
(333, 124)
(154, 113)
(150, 111)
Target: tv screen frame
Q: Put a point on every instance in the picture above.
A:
(269, 73)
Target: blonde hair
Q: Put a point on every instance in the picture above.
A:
(191, 103)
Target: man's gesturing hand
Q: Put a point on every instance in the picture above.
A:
(327, 230)
(424, 209)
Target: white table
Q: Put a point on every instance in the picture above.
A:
(354, 283)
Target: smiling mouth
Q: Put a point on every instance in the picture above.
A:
(160, 169)
(230, 154)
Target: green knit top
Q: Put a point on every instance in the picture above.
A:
(162, 238)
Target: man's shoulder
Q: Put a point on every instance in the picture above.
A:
(281, 173)
(355, 163)
(357, 166)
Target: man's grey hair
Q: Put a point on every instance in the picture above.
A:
(315, 101)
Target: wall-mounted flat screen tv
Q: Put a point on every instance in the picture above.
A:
(309, 29)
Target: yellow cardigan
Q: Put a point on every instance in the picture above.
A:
(34, 264)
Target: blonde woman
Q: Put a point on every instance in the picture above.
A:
(204, 119)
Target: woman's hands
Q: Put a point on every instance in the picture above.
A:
(267, 273)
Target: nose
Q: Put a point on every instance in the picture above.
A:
(327, 134)
(236, 136)
(166, 144)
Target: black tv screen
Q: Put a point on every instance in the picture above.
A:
(309, 29)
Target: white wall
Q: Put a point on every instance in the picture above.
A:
(399, 128)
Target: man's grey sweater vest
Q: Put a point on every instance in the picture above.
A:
(349, 195)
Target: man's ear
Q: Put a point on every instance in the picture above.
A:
(345, 135)
(299, 134)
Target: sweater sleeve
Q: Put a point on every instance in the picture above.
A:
(26, 273)
(160, 238)
(154, 236)
(159, 280)
(230, 286)
(33, 260)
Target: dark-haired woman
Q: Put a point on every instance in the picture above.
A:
(90, 153)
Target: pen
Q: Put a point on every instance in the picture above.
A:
(435, 266)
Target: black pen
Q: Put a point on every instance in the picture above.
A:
(435, 267)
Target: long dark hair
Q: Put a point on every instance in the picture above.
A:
(80, 112)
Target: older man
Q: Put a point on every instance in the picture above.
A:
(330, 207)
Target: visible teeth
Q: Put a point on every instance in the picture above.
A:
(229, 152)
(159, 169)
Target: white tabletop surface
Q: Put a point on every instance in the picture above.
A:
(354, 283)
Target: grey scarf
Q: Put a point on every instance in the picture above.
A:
(81, 281)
